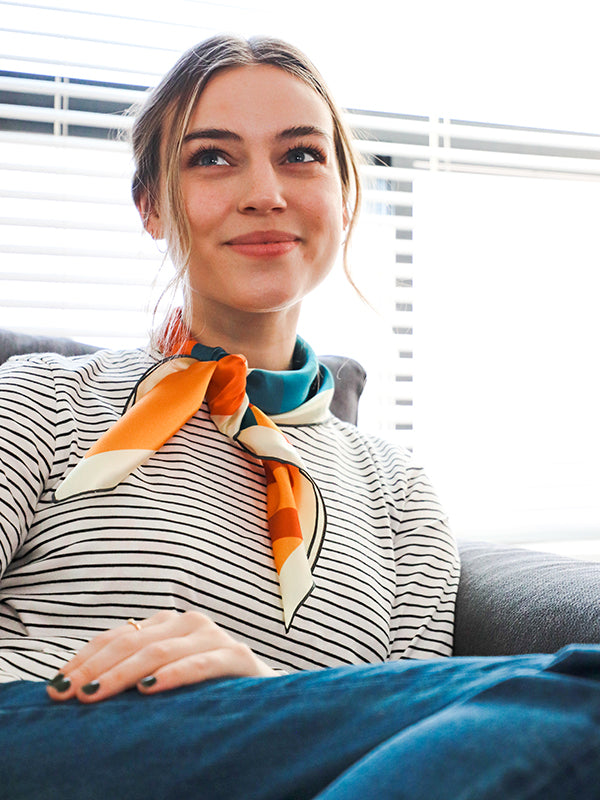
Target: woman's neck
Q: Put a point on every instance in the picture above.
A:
(266, 340)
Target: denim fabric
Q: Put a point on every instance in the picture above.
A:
(519, 727)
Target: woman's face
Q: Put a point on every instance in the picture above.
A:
(262, 193)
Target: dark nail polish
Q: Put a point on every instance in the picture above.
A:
(147, 682)
(91, 688)
(60, 683)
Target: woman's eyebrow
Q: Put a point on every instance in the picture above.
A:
(212, 133)
(303, 130)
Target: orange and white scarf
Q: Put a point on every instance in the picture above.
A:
(171, 392)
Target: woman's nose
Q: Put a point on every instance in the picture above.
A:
(262, 190)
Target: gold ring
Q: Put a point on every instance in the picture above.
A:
(135, 624)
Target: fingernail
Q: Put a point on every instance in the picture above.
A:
(147, 682)
(91, 688)
(60, 683)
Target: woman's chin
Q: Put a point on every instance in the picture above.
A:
(269, 302)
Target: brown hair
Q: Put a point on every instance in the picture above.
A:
(175, 98)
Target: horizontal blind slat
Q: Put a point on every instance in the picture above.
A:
(24, 86)
(423, 156)
(86, 269)
(86, 119)
(76, 252)
(77, 145)
(455, 129)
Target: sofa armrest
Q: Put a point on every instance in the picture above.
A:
(512, 600)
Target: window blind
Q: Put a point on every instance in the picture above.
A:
(75, 261)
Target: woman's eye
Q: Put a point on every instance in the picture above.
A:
(209, 158)
(302, 155)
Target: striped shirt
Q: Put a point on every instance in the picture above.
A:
(187, 530)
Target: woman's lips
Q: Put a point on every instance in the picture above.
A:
(264, 243)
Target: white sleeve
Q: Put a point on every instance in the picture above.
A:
(427, 573)
(27, 440)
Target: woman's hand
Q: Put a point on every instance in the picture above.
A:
(168, 650)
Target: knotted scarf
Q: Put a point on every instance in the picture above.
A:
(245, 405)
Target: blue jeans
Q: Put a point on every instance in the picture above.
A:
(480, 728)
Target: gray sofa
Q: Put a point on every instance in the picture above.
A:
(510, 600)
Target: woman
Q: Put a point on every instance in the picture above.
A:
(212, 536)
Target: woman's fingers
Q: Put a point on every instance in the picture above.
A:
(169, 650)
(106, 637)
(109, 649)
(126, 673)
(235, 660)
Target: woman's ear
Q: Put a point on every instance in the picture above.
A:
(345, 218)
(149, 216)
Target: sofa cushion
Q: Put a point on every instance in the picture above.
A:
(349, 377)
(513, 600)
(15, 344)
